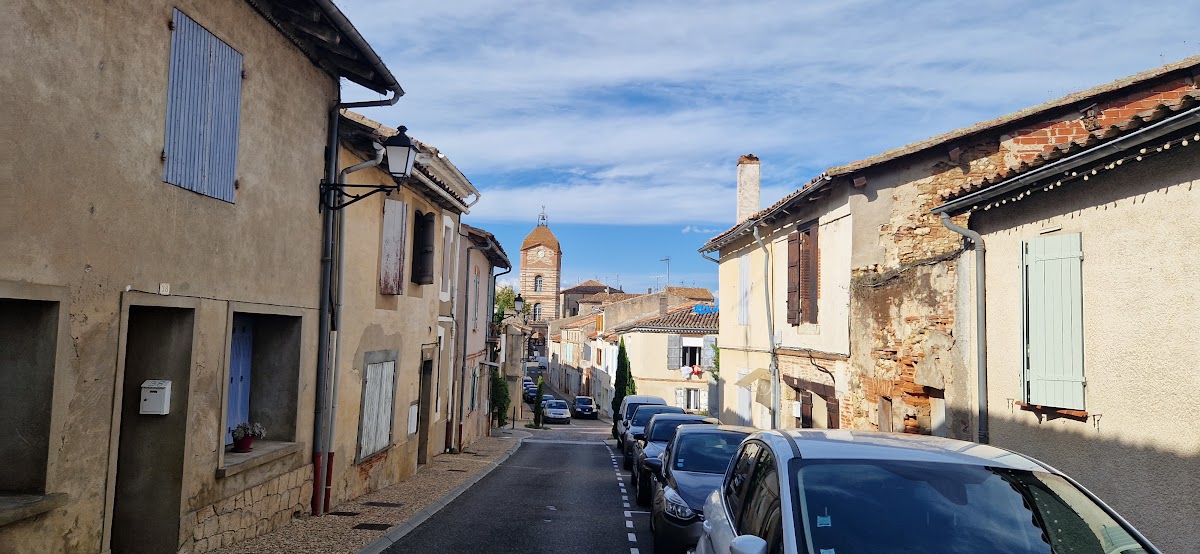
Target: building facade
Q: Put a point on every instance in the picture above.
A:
(541, 266)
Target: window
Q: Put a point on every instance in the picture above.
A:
(691, 356)
(475, 308)
(28, 346)
(264, 372)
(803, 278)
(691, 399)
(1053, 323)
(761, 515)
(537, 283)
(379, 385)
(744, 289)
(424, 239)
(537, 312)
(391, 247)
(204, 91)
(448, 234)
(738, 480)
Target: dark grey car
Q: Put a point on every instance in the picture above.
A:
(637, 422)
(650, 443)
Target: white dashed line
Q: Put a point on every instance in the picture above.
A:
(629, 524)
(625, 504)
(634, 551)
(632, 537)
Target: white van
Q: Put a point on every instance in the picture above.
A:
(628, 405)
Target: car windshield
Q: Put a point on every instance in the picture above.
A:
(662, 430)
(558, 404)
(583, 401)
(939, 507)
(644, 414)
(707, 452)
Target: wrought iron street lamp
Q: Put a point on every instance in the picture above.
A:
(401, 153)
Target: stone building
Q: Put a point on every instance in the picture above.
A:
(178, 241)
(570, 297)
(538, 284)
(672, 353)
(898, 318)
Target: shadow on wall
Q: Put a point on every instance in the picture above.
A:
(1154, 489)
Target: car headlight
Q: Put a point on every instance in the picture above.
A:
(676, 507)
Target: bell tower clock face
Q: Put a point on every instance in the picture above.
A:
(541, 253)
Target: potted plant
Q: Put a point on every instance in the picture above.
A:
(244, 435)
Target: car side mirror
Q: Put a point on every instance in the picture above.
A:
(655, 465)
(639, 436)
(748, 544)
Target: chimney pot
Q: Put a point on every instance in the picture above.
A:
(747, 187)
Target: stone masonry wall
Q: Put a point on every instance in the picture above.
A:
(250, 513)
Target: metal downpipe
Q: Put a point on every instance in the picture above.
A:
(980, 324)
(774, 367)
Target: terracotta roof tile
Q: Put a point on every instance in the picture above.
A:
(603, 298)
(590, 286)
(543, 236)
(682, 318)
(692, 293)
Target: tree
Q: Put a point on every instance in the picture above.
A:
(500, 399)
(624, 384)
(505, 296)
(537, 405)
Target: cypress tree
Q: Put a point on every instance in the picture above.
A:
(624, 384)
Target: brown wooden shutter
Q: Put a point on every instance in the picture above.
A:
(793, 279)
(806, 277)
(812, 259)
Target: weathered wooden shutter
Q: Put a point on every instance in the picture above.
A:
(793, 278)
(680, 398)
(391, 255)
(708, 352)
(704, 401)
(424, 242)
(204, 90)
(241, 352)
(674, 352)
(1054, 321)
(376, 425)
(808, 274)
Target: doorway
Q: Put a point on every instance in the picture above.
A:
(425, 392)
(146, 504)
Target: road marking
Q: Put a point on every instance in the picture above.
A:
(629, 524)
(634, 551)
(624, 498)
(632, 537)
(562, 441)
(625, 504)
(552, 508)
(627, 512)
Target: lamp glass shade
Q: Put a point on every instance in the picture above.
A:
(518, 303)
(401, 153)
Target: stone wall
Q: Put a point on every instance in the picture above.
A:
(250, 513)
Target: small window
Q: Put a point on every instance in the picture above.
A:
(474, 389)
(475, 303)
(28, 345)
(204, 90)
(691, 355)
(537, 284)
(448, 234)
(264, 374)
(424, 239)
(537, 312)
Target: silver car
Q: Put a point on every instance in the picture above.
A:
(556, 410)
(847, 492)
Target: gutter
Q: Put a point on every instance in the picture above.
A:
(464, 208)
(980, 324)
(1115, 146)
(339, 20)
(775, 419)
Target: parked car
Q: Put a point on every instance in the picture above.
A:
(556, 410)
(584, 407)
(529, 394)
(527, 380)
(628, 405)
(825, 491)
(650, 443)
(546, 398)
(637, 423)
(691, 467)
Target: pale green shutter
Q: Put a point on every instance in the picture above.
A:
(1054, 321)
(674, 352)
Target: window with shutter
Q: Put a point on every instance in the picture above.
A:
(448, 234)
(391, 249)
(744, 289)
(204, 90)
(375, 426)
(424, 239)
(803, 275)
(674, 352)
(793, 278)
(1053, 290)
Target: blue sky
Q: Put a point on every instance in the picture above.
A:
(626, 118)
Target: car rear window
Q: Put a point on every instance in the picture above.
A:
(560, 404)
(662, 431)
(707, 452)
(939, 507)
(644, 414)
(583, 401)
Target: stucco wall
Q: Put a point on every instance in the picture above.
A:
(1139, 449)
(86, 97)
(648, 365)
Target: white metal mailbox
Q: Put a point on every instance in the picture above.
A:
(156, 397)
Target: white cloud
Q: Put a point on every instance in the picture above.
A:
(644, 107)
(695, 229)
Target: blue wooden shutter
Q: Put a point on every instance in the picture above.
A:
(241, 351)
(203, 106)
(1054, 321)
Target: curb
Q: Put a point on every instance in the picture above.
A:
(398, 532)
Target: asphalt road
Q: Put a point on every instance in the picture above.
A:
(554, 494)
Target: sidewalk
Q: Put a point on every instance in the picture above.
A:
(400, 507)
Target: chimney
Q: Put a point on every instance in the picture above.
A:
(662, 304)
(747, 187)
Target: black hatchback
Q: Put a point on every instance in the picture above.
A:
(584, 407)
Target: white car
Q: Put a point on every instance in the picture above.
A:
(556, 410)
(843, 492)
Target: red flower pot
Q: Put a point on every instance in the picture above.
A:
(243, 444)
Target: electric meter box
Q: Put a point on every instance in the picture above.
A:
(156, 397)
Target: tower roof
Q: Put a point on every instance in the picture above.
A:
(543, 236)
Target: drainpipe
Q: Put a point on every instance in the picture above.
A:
(980, 324)
(775, 419)
(320, 459)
